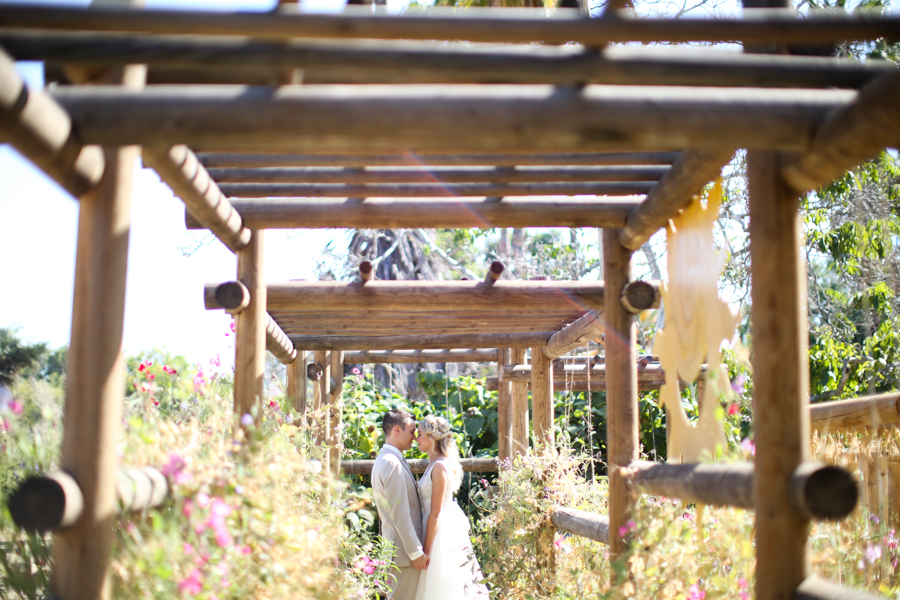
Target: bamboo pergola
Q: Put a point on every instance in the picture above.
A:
(443, 120)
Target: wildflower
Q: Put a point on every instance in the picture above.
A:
(247, 420)
(16, 407)
(223, 537)
(175, 469)
(742, 584)
(355, 371)
(216, 362)
(873, 553)
(696, 593)
(187, 508)
(748, 447)
(203, 499)
(6, 425)
(199, 380)
(239, 490)
(875, 519)
(245, 550)
(220, 508)
(142, 368)
(192, 584)
(734, 409)
(187, 548)
(738, 384)
(151, 376)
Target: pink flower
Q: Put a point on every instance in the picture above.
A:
(220, 508)
(199, 380)
(187, 548)
(175, 470)
(16, 407)
(368, 570)
(187, 508)
(223, 537)
(696, 593)
(734, 409)
(142, 367)
(245, 550)
(742, 584)
(202, 499)
(193, 583)
(199, 528)
(6, 425)
(151, 376)
(216, 362)
(738, 384)
(623, 531)
(748, 447)
(355, 371)
(202, 559)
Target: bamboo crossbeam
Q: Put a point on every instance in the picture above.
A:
(278, 342)
(391, 159)
(581, 523)
(434, 189)
(179, 168)
(488, 26)
(388, 213)
(425, 118)
(432, 176)
(814, 588)
(420, 356)
(866, 411)
(469, 465)
(850, 136)
(53, 501)
(324, 296)
(576, 334)
(649, 373)
(686, 179)
(402, 342)
(176, 60)
(817, 491)
(332, 329)
(42, 131)
(421, 321)
(494, 272)
(233, 296)
(491, 384)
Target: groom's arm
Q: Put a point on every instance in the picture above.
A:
(398, 505)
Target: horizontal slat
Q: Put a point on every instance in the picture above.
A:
(421, 356)
(403, 342)
(866, 411)
(449, 118)
(391, 159)
(581, 523)
(387, 213)
(471, 25)
(438, 175)
(652, 372)
(434, 189)
(814, 588)
(254, 62)
(568, 385)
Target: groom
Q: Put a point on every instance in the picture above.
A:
(398, 504)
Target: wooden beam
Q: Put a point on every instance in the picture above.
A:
(296, 390)
(542, 404)
(318, 423)
(179, 168)
(434, 176)
(621, 387)
(250, 332)
(233, 296)
(504, 406)
(334, 439)
(176, 60)
(438, 190)
(420, 356)
(596, 385)
(277, 342)
(518, 408)
(469, 465)
(561, 373)
(95, 379)
(578, 333)
(436, 295)
(487, 26)
(850, 136)
(581, 523)
(867, 411)
(403, 342)
(388, 213)
(781, 376)
(639, 296)
(824, 492)
(391, 159)
(41, 130)
(421, 118)
(686, 179)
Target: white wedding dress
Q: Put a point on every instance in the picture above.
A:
(453, 573)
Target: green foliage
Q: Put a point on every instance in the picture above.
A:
(17, 357)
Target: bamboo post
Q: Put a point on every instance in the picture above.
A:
(96, 371)
(366, 271)
(621, 387)
(494, 272)
(296, 385)
(542, 401)
(781, 376)
(336, 408)
(504, 404)
(320, 395)
(518, 408)
(250, 331)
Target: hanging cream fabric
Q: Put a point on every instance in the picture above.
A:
(697, 322)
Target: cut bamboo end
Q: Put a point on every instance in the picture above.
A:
(233, 296)
(641, 295)
(46, 503)
(581, 523)
(314, 371)
(824, 492)
(494, 272)
(366, 271)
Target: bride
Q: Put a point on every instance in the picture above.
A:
(453, 572)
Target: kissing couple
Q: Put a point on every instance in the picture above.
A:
(432, 557)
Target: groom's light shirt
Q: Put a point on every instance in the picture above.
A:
(396, 451)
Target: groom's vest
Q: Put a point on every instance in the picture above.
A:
(398, 505)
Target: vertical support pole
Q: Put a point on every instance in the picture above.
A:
(504, 403)
(336, 402)
(296, 385)
(781, 376)
(320, 399)
(95, 383)
(250, 331)
(518, 408)
(621, 385)
(542, 400)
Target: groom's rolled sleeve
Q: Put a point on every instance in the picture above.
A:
(398, 505)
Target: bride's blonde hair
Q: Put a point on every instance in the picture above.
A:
(438, 429)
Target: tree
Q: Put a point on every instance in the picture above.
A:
(18, 358)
